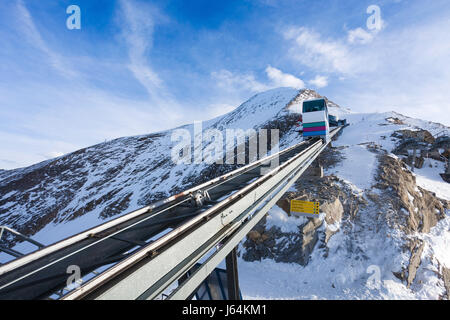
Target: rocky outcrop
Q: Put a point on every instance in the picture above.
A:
(423, 143)
(407, 207)
(446, 279)
(422, 207)
(420, 135)
(416, 249)
(262, 243)
(395, 120)
(337, 201)
(334, 211)
(281, 246)
(395, 198)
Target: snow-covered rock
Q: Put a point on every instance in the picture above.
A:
(392, 241)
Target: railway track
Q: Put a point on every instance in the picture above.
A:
(141, 254)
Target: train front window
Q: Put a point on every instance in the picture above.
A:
(313, 106)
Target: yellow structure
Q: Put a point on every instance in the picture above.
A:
(305, 208)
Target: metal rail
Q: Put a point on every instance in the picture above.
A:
(42, 273)
(12, 252)
(150, 271)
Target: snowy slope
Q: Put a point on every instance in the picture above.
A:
(365, 248)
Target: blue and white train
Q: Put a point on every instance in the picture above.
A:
(315, 119)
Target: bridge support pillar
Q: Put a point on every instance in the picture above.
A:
(232, 275)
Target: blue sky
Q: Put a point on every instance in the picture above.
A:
(138, 66)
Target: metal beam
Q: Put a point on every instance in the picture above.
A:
(246, 225)
(11, 252)
(20, 236)
(145, 276)
(232, 275)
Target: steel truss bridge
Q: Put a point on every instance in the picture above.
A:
(146, 254)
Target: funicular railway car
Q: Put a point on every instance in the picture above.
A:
(315, 119)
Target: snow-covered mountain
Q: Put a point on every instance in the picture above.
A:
(63, 196)
(380, 220)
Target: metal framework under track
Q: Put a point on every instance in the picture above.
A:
(146, 251)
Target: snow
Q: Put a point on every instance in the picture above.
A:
(257, 110)
(330, 280)
(364, 131)
(52, 231)
(438, 241)
(360, 265)
(429, 179)
(435, 256)
(296, 107)
(358, 171)
(279, 218)
(411, 198)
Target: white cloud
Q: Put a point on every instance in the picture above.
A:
(319, 81)
(404, 69)
(281, 79)
(235, 82)
(359, 35)
(23, 150)
(325, 55)
(52, 117)
(138, 24)
(72, 119)
(237, 87)
(34, 37)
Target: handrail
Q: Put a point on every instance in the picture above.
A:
(19, 235)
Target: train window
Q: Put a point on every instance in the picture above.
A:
(313, 106)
